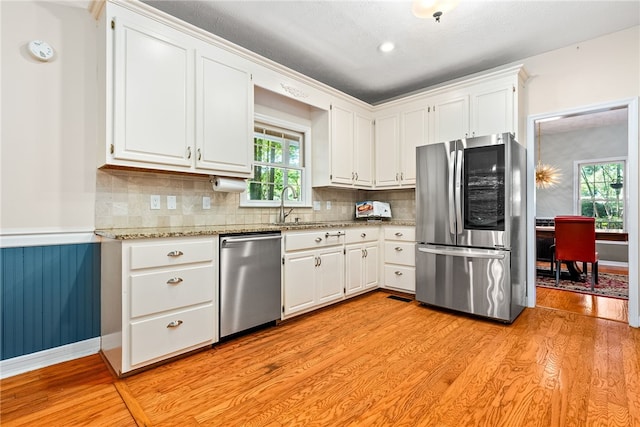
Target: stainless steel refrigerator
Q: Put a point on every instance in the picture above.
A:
(471, 226)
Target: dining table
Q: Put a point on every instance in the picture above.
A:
(545, 236)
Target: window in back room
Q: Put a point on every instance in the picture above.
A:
(601, 192)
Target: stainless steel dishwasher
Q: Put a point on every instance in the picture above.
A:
(250, 272)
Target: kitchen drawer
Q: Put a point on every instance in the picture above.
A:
(171, 253)
(313, 239)
(153, 338)
(364, 234)
(398, 277)
(400, 253)
(167, 290)
(400, 233)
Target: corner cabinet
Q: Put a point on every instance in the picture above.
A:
(174, 102)
(158, 299)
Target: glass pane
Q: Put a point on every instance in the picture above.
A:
(294, 153)
(267, 150)
(266, 183)
(484, 188)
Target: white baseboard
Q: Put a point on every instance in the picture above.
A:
(41, 359)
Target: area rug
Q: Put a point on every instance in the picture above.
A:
(609, 285)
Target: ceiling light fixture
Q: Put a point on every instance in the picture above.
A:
(386, 47)
(432, 8)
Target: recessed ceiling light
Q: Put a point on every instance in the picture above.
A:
(386, 47)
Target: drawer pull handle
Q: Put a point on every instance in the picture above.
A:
(399, 234)
(175, 253)
(174, 281)
(363, 235)
(174, 324)
(318, 239)
(338, 234)
(398, 273)
(398, 248)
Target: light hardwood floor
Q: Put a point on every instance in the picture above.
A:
(369, 361)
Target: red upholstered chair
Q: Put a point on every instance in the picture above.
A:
(576, 241)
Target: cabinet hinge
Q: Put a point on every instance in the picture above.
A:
(113, 24)
(330, 176)
(251, 77)
(344, 290)
(344, 251)
(514, 89)
(434, 108)
(283, 308)
(282, 260)
(111, 149)
(428, 109)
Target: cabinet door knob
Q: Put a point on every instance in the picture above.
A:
(174, 280)
(398, 248)
(174, 324)
(318, 239)
(356, 176)
(366, 253)
(175, 253)
(398, 273)
(188, 152)
(199, 154)
(363, 235)
(398, 234)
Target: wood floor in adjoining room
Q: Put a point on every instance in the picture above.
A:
(369, 361)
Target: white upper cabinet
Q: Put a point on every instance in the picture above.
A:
(224, 115)
(492, 109)
(363, 154)
(153, 94)
(342, 145)
(174, 102)
(450, 115)
(387, 151)
(343, 156)
(413, 133)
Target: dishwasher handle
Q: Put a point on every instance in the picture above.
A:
(250, 238)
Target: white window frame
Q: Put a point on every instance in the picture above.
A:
(576, 183)
(305, 196)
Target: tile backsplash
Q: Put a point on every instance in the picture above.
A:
(123, 201)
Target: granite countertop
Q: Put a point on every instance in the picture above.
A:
(209, 230)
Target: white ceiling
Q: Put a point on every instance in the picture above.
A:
(336, 42)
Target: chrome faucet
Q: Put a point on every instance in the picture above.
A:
(283, 216)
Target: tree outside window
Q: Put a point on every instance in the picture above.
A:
(278, 162)
(601, 193)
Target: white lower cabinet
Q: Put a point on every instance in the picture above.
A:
(313, 272)
(159, 299)
(400, 259)
(362, 260)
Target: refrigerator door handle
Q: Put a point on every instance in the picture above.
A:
(452, 206)
(458, 191)
(470, 253)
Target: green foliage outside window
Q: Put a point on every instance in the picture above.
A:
(277, 163)
(602, 193)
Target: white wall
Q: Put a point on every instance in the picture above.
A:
(47, 165)
(595, 71)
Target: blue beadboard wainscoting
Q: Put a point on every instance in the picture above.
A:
(50, 297)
